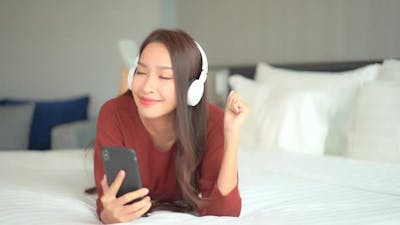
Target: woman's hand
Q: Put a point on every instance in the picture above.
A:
(236, 112)
(116, 210)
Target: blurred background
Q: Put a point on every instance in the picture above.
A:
(59, 49)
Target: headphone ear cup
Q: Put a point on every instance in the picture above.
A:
(195, 92)
(196, 88)
(130, 77)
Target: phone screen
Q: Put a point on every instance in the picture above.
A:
(121, 158)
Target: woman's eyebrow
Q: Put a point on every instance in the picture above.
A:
(158, 67)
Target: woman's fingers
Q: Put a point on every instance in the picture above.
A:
(131, 211)
(236, 106)
(128, 197)
(104, 183)
(236, 112)
(234, 102)
(137, 206)
(230, 98)
(137, 209)
(110, 192)
(116, 184)
(116, 209)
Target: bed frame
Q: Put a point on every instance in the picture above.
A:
(249, 70)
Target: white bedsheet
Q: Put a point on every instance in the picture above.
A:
(276, 188)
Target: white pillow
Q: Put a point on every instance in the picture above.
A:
(282, 119)
(340, 86)
(376, 129)
(390, 70)
(128, 50)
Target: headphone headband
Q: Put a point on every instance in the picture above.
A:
(204, 63)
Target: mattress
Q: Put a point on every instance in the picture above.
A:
(276, 188)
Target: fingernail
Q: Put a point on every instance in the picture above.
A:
(145, 191)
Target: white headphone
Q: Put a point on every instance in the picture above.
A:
(196, 88)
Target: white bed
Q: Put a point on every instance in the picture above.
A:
(276, 188)
(302, 183)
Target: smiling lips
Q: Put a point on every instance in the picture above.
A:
(148, 101)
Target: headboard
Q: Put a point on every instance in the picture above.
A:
(249, 70)
(219, 90)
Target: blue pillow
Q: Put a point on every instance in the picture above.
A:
(48, 114)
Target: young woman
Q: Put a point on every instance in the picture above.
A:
(187, 151)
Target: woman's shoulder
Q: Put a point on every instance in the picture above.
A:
(215, 109)
(215, 114)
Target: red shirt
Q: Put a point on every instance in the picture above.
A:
(119, 125)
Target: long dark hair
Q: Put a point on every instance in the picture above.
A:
(190, 122)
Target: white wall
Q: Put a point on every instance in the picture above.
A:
(241, 32)
(54, 48)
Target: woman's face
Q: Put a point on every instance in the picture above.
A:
(153, 83)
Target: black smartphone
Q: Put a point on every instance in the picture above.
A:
(121, 158)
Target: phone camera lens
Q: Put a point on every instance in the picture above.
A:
(106, 155)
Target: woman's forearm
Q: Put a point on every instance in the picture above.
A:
(228, 177)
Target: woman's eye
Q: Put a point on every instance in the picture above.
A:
(165, 78)
(140, 72)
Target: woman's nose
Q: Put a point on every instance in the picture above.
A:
(150, 83)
